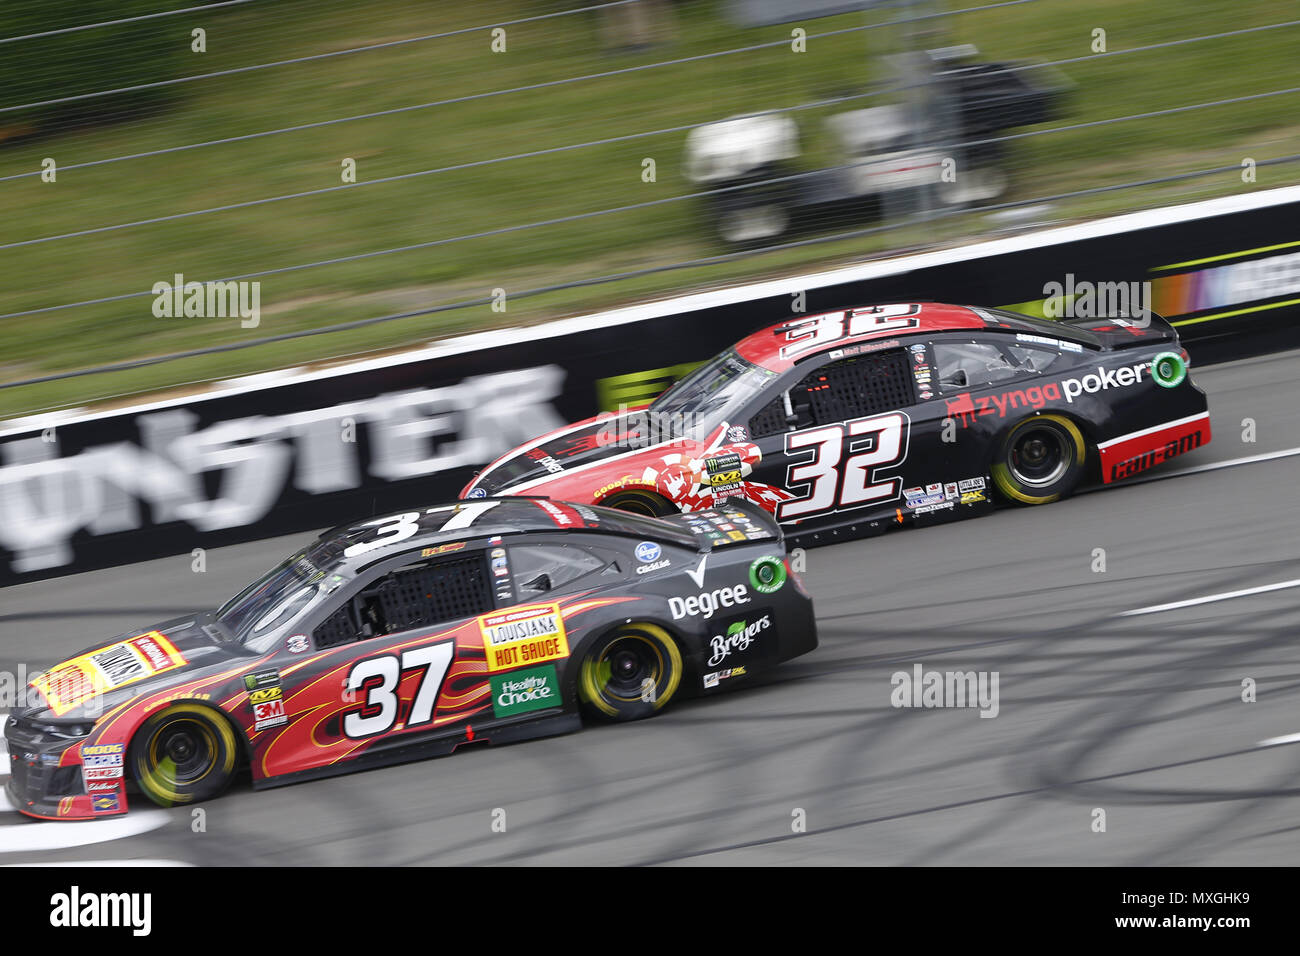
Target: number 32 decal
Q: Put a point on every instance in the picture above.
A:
(842, 472)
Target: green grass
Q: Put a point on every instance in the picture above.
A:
(531, 190)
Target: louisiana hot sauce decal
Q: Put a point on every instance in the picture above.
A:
(527, 635)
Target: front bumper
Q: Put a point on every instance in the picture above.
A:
(47, 779)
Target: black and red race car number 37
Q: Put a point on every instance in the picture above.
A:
(841, 465)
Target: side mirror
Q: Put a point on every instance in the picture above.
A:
(540, 583)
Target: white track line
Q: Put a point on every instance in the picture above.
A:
(66, 834)
(1275, 741)
(113, 863)
(36, 837)
(1210, 598)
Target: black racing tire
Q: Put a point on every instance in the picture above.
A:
(630, 673)
(1041, 459)
(642, 503)
(183, 755)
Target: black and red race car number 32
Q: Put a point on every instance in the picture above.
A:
(842, 465)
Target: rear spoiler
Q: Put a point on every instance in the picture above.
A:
(1126, 332)
(756, 513)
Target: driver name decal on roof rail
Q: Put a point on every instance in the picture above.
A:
(563, 515)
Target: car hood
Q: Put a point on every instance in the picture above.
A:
(583, 443)
(139, 661)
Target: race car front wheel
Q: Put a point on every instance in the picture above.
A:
(1041, 459)
(630, 673)
(185, 754)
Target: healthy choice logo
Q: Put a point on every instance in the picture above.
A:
(521, 691)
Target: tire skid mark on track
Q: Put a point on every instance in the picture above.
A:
(647, 781)
(573, 777)
(937, 808)
(1113, 723)
(665, 781)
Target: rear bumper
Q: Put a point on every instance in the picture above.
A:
(1127, 455)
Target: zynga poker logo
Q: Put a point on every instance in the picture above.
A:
(529, 635)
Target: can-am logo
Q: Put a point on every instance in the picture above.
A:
(707, 603)
(738, 638)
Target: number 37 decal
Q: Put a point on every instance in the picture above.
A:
(376, 680)
(842, 465)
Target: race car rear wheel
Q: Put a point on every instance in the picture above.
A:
(630, 673)
(185, 754)
(641, 503)
(1042, 459)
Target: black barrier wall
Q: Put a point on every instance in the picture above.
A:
(218, 470)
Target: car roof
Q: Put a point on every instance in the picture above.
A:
(459, 521)
(771, 348)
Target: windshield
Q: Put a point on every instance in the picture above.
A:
(712, 394)
(278, 597)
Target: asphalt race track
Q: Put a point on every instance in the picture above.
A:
(1140, 716)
